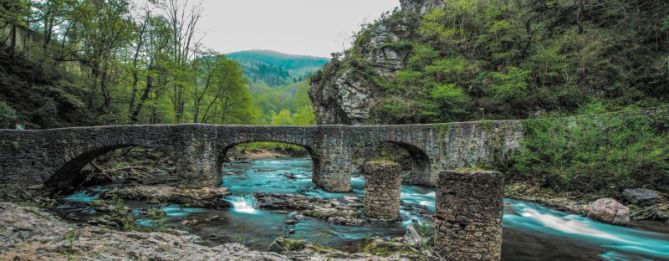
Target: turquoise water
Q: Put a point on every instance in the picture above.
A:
(618, 243)
(531, 231)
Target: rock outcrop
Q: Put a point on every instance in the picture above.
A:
(345, 91)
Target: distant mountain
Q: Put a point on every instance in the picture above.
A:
(275, 68)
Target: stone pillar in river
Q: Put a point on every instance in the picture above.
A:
(196, 158)
(469, 215)
(383, 180)
(333, 158)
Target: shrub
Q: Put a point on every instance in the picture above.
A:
(596, 152)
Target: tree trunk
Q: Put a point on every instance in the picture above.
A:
(135, 114)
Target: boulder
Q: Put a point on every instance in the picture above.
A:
(609, 210)
(641, 196)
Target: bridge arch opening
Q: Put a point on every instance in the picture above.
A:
(112, 165)
(246, 167)
(415, 163)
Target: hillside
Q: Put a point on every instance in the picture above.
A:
(275, 68)
(277, 82)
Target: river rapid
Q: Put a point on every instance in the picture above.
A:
(531, 231)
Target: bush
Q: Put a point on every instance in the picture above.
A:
(8, 115)
(590, 153)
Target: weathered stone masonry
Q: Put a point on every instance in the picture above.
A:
(382, 190)
(469, 215)
(49, 160)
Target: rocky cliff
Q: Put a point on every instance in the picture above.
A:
(345, 90)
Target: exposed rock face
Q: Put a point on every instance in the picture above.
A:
(382, 190)
(204, 197)
(609, 210)
(469, 215)
(342, 92)
(420, 6)
(641, 196)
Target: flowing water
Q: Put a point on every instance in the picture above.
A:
(531, 231)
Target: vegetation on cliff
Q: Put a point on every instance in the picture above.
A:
(515, 59)
(494, 59)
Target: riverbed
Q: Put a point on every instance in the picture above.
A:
(531, 231)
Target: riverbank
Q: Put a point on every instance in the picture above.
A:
(653, 217)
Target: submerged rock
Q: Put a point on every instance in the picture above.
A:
(641, 196)
(609, 210)
(204, 197)
(335, 211)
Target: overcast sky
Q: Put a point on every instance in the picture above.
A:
(309, 27)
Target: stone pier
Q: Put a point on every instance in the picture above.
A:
(469, 215)
(382, 190)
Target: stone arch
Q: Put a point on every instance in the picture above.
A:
(421, 163)
(68, 173)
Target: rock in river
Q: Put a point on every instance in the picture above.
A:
(609, 210)
(204, 197)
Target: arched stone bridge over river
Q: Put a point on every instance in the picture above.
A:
(49, 160)
(468, 221)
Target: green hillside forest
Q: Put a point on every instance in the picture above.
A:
(279, 84)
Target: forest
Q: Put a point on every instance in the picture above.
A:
(70, 63)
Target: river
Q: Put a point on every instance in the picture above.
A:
(531, 231)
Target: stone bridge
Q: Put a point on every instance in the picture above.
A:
(49, 161)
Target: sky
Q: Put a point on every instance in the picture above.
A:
(306, 27)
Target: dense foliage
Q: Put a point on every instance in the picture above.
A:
(596, 151)
(87, 62)
(514, 59)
